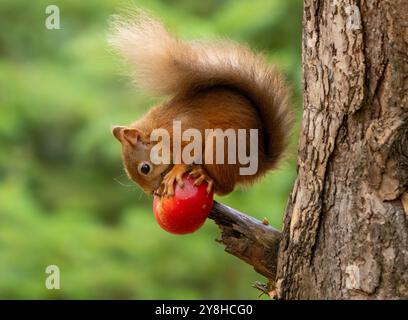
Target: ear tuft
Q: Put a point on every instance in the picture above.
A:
(130, 135)
(117, 132)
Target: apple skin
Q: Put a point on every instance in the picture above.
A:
(186, 211)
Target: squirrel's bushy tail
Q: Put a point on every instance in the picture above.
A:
(167, 66)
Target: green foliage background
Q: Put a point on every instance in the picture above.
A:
(64, 197)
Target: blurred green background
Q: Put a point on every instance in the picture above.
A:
(64, 197)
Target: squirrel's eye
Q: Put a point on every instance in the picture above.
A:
(144, 168)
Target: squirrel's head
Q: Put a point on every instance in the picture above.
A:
(136, 151)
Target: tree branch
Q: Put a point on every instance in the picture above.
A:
(248, 239)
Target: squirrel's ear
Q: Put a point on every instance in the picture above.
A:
(131, 135)
(117, 132)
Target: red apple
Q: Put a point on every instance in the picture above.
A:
(186, 211)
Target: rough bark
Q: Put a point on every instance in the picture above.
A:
(247, 238)
(345, 230)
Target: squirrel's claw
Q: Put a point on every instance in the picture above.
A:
(174, 175)
(168, 190)
(201, 176)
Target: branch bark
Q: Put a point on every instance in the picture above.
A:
(247, 238)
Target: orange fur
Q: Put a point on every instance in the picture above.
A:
(218, 84)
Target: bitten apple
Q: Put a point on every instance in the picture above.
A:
(187, 210)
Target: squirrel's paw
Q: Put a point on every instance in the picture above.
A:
(200, 176)
(174, 175)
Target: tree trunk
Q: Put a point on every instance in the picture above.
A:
(345, 230)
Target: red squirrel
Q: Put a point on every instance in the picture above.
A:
(208, 85)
